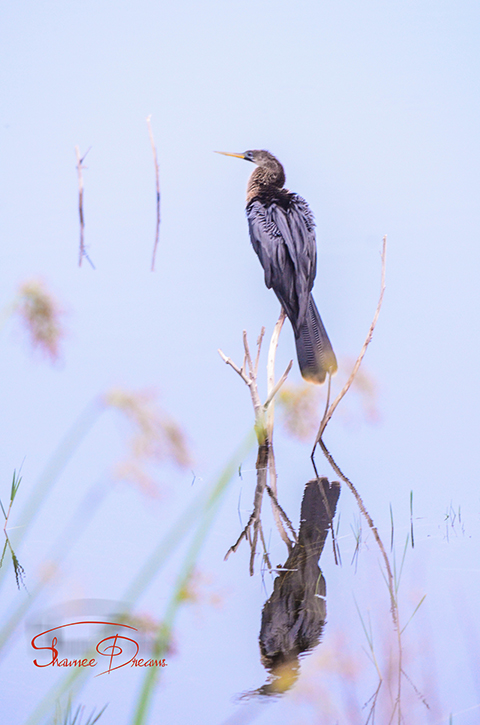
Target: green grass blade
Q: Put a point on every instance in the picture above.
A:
(153, 565)
(413, 613)
(161, 644)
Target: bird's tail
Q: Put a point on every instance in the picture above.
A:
(314, 349)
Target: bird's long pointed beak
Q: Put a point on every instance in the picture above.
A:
(225, 153)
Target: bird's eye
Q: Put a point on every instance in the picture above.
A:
(248, 156)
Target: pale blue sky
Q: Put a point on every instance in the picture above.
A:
(373, 108)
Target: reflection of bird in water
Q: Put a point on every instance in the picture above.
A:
(282, 232)
(294, 616)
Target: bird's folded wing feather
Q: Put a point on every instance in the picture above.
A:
(284, 240)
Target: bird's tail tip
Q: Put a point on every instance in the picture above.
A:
(316, 358)
(318, 374)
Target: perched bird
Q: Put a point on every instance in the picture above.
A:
(282, 232)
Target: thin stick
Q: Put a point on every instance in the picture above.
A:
(229, 361)
(259, 347)
(329, 411)
(277, 387)
(243, 535)
(80, 204)
(326, 418)
(325, 501)
(251, 381)
(266, 555)
(264, 432)
(282, 513)
(157, 182)
(80, 167)
(269, 405)
(271, 388)
(371, 525)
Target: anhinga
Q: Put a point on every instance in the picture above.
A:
(282, 232)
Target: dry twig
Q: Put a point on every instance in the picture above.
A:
(264, 431)
(272, 390)
(319, 441)
(328, 413)
(157, 183)
(327, 417)
(80, 167)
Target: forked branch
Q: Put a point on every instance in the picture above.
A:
(264, 431)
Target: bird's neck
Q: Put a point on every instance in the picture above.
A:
(265, 177)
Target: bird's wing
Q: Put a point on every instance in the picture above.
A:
(283, 237)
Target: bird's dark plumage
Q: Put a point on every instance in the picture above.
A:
(282, 232)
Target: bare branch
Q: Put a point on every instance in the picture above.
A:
(229, 361)
(157, 182)
(248, 358)
(266, 458)
(328, 414)
(272, 351)
(277, 387)
(319, 440)
(254, 521)
(80, 204)
(259, 347)
(266, 555)
(369, 520)
(80, 167)
(243, 535)
(268, 406)
(329, 411)
(282, 513)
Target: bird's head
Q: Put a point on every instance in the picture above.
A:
(256, 156)
(270, 171)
